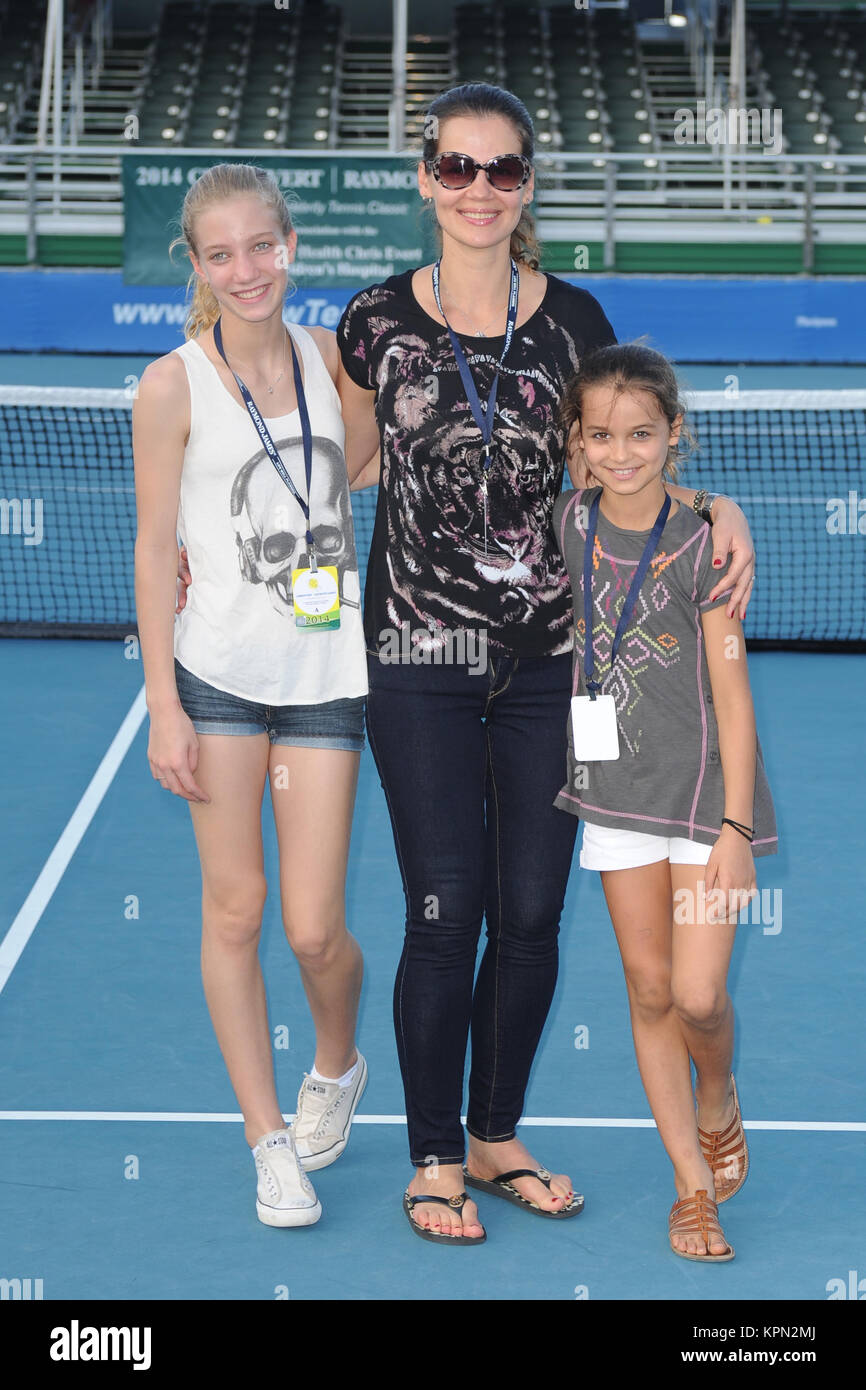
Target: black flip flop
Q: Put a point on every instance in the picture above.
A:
(501, 1187)
(457, 1203)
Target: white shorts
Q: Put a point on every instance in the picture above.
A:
(604, 848)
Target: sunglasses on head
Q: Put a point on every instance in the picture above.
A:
(506, 172)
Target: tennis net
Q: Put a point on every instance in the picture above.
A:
(792, 459)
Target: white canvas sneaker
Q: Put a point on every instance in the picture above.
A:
(324, 1118)
(285, 1195)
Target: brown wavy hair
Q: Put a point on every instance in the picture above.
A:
(482, 99)
(216, 184)
(631, 367)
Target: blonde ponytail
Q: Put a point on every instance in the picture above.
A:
(204, 309)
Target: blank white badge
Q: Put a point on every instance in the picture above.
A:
(594, 728)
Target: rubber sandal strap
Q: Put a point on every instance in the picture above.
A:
(540, 1173)
(456, 1203)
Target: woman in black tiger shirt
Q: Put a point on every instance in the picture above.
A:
(467, 621)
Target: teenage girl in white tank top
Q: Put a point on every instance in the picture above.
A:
(237, 659)
(232, 499)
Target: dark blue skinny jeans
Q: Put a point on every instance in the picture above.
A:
(470, 765)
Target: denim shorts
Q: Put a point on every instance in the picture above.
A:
(333, 724)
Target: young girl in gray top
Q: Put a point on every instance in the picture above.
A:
(664, 766)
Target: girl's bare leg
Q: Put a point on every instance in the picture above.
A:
(701, 956)
(228, 830)
(313, 794)
(641, 909)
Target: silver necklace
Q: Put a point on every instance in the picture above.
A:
(270, 389)
(479, 332)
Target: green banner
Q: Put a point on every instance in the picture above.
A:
(359, 219)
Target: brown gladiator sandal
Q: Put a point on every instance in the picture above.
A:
(697, 1215)
(727, 1153)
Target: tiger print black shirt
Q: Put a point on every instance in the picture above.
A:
(429, 565)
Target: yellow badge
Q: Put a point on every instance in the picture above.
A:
(316, 597)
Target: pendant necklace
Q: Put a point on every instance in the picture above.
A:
(479, 332)
(270, 389)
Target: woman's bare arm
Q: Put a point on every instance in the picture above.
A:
(730, 535)
(369, 474)
(362, 431)
(326, 341)
(731, 867)
(160, 426)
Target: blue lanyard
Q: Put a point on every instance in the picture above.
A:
(265, 434)
(630, 598)
(482, 414)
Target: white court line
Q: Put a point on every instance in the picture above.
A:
(57, 862)
(226, 1117)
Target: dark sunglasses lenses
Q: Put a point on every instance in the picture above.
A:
(456, 170)
(506, 172)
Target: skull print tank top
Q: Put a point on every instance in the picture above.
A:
(244, 533)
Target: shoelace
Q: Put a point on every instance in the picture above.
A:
(265, 1172)
(330, 1112)
(330, 1109)
(273, 1184)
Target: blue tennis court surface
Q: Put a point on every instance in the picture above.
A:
(136, 1183)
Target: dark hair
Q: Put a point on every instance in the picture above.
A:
(628, 367)
(482, 99)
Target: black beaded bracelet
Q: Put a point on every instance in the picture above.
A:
(747, 831)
